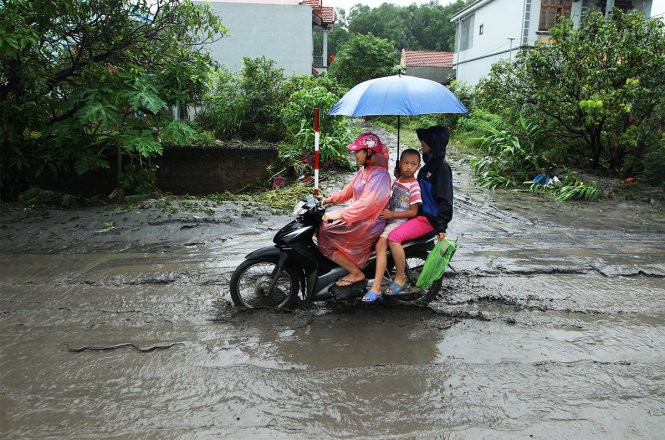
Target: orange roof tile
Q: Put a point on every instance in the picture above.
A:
(423, 58)
(312, 3)
(328, 14)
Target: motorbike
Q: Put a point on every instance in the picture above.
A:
(293, 271)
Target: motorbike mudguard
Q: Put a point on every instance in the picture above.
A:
(268, 251)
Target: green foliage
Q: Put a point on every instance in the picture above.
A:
(506, 161)
(178, 133)
(246, 105)
(579, 191)
(298, 117)
(80, 80)
(571, 188)
(264, 90)
(224, 109)
(108, 226)
(424, 27)
(508, 158)
(506, 153)
(300, 82)
(654, 164)
(595, 89)
(477, 124)
(363, 57)
(138, 177)
(286, 109)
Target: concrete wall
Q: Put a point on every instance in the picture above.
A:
(498, 20)
(441, 75)
(182, 170)
(280, 32)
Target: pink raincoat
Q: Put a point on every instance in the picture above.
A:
(357, 233)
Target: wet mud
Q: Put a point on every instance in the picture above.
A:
(551, 325)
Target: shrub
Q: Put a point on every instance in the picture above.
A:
(247, 105)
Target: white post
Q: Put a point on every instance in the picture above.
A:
(609, 4)
(325, 48)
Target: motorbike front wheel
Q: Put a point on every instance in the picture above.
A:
(252, 285)
(411, 294)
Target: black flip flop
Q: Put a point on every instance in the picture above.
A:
(346, 292)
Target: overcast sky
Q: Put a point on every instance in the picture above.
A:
(658, 6)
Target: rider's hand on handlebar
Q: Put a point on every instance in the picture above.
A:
(332, 216)
(441, 236)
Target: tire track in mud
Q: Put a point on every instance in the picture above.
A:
(149, 349)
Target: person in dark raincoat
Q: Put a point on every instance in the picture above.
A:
(436, 186)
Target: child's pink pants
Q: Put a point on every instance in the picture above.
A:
(410, 229)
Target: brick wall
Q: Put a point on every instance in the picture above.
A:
(208, 170)
(182, 170)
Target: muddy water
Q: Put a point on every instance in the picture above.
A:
(552, 326)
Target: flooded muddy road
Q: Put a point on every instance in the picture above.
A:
(116, 323)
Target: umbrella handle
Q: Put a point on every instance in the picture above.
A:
(396, 172)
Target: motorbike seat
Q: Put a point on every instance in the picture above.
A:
(423, 238)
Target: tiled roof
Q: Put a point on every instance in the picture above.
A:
(423, 58)
(327, 13)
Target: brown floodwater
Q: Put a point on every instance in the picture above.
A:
(551, 326)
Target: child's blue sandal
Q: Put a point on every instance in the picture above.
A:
(371, 296)
(394, 289)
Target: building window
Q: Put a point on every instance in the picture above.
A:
(551, 10)
(466, 34)
(481, 29)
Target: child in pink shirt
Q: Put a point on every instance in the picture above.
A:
(403, 205)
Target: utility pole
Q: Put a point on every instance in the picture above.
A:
(510, 52)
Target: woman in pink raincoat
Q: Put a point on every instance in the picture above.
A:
(349, 241)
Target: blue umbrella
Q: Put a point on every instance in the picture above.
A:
(398, 95)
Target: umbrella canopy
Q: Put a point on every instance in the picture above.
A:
(398, 95)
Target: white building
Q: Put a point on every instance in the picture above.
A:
(492, 30)
(280, 30)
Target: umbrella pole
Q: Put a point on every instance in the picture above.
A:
(316, 151)
(397, 158)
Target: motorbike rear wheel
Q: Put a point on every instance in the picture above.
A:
(410, 294)
(251, 282)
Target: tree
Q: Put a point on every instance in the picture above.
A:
(430, 25)
(598, 88)
(424, 27)
(385, 21)
(81, 78)
(363, 57)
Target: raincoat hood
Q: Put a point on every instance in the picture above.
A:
(436, 137)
